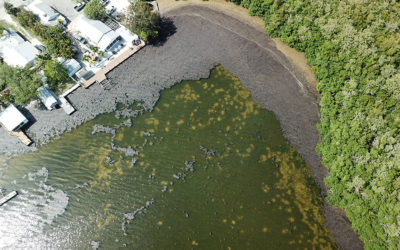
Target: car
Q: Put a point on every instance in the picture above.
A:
(79, 6)
(111, 11)
(104, 2)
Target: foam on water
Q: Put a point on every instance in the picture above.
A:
(23, 220)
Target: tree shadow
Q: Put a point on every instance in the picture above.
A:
(167, 29)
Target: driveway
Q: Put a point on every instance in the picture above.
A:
(65, 7)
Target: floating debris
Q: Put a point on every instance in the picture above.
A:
(95, 244)
(128, 113)
(126, 123)
(189, 165)
(132, 216)
(145, 133)
(97, 128)
(164, 189)
(208, 152)
(109, 160)
(129, 151)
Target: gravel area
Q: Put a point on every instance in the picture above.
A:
(203, 39)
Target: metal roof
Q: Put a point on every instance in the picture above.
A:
(97, 32)
(12, 119)
(47, 97)
(44, 11)
(15, 50)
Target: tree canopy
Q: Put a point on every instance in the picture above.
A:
(95, 10)
(142, 20)
(354, 50)
(55, 73)
(22, 83)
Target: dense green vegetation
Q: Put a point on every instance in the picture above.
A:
(142, 20)
(354, 50)
(22, 84)
(56, 41)
(95, 10)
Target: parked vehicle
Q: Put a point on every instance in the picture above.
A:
(79, 6)
(104, 2)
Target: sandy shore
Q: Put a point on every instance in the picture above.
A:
(203, 39)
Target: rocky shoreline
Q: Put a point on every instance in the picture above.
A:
(203, 38)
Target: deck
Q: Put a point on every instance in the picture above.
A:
(101, 74)
(22, 137)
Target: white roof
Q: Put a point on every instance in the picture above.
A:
(44, 11)
(12, 118)
(72, 66)
(47, 97)
(128, 36)
(15, 51)
(97, 32)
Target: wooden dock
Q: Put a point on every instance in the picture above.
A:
(8, 197)
(22, 137)
(68, 108)
(101, 74)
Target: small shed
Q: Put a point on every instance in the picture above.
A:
(48, 98)
(12, 119)
(71, 65)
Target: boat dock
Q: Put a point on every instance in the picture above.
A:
(8, 197)
(101, 74)
(22, 137)
(68, 108)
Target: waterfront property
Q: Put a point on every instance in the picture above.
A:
(71, 65)
(48, 98)
(98, 33)
(12, 119)
(15, 51)
(46, 14)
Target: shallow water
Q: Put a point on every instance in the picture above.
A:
(208, 168)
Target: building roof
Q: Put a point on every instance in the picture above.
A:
(15, 50)
(12, 119)
(128, 36)
(47, 97)
(44, 11)
(97, 32)
(71, 65)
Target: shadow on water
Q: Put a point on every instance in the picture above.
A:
(167, 29)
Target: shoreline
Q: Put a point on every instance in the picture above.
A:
(187, 55)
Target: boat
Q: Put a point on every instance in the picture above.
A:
(8, 197)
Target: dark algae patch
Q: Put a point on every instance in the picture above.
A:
(207, 168)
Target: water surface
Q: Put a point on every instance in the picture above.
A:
(208, 168)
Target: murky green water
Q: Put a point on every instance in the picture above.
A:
(207, 169)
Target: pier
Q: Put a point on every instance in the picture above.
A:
(22, 137)
(8, 197)
(101, 74)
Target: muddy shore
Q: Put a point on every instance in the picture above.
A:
(202, 39)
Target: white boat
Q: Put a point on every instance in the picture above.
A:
(8, 197)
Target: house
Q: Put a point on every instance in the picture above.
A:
(47, 97)
(15, 51)
(46, 14)
(129, 37)
(12, 119)
(98, 33)
(71, 65)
